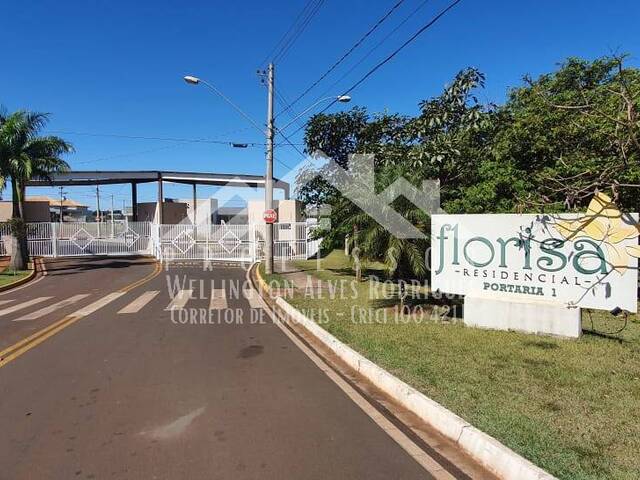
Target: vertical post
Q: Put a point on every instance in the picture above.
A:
(160, 201)
(54, 240)
(134, 201)
(98, 208)
(195, 205)
(61, 200)
(195, 219)
(112, 225)
(268, 180)
(254, 248)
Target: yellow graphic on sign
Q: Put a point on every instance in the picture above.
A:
(605, 224)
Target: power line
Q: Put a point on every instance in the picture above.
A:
(375, 47)
(163, 139)
(273, 51)
(389, 57)
(286, 106)
(291, 144)
(125, 155)
(348, 52)
(285, 49)
(296, 29)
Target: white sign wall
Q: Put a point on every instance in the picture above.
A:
(587, 260)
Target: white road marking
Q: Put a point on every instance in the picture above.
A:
(4, 302)
(180, 300)
(22, 305)
(218, 299)
(52, 308)
(141, 301)
(92, 307)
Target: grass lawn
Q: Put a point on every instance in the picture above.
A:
(10, 276)
(570, 406)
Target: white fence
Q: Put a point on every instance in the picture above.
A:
(166, 242)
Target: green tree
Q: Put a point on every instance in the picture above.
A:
(25, 154)
(571, 132)
(437, 144)
(555, 141)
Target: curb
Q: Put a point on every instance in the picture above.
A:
(489, 452)
(24, 280)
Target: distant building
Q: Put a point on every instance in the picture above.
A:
(33, 211)
(41, 208)
(173, 212)
(206, 211)
(289, 211)
(72, 211)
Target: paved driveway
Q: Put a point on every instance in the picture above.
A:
(137, 390)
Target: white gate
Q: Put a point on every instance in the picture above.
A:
(227, 242)
(81, 238)
(206, 242)
(231, 242)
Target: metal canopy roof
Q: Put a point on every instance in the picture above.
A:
(146, 176)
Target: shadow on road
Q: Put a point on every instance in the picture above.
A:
(70, 266)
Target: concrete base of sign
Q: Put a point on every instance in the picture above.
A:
(532, 316)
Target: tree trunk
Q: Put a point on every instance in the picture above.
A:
(403, 294)
(356, 254)
(12, 247)
(20, 253)
(17, 212)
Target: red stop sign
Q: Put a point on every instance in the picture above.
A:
(270, 216)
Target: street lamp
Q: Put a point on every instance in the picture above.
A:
(270, 133)
(192, 80)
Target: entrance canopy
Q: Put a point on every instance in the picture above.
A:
(147, 176)
(90, 178)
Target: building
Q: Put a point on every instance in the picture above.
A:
(72, 211)
(41, 208)
(206, 211)
(289, 211)
(173, 212)
(35, 211)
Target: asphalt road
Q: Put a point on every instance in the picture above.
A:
(144, 395)
(65, 278)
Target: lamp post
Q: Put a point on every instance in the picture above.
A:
(270, 134)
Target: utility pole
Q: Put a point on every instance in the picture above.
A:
(268, 179)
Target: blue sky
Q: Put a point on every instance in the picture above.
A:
(115, 67)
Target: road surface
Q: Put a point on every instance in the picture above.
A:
(138, 387)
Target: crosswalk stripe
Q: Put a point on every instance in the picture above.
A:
(218, 299)
(180, 300)
(22, 305)
(92, 307)
(252, 297)
(52, 308)
(4, 302)
(141, 301)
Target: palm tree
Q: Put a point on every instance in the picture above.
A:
(25, 155)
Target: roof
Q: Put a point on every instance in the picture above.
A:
(67, 202)
(146, 176)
